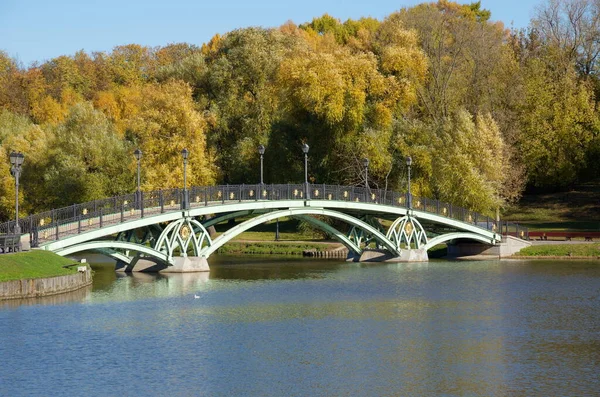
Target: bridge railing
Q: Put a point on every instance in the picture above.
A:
(78, 218)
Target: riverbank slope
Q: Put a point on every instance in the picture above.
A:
(40, 273)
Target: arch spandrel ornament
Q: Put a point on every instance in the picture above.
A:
(407, 233)
(184, 235)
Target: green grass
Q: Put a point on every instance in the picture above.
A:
(591, 250)
(270, 236)
(288, 231)
(574, 210)
(34, 264)
(279, 248)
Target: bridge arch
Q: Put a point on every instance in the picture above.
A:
(458, 235)
(109, 244)
(299, 212)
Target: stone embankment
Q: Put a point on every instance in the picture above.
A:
(30, 288)
(341, 252)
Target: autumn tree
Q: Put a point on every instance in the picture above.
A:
(86, 160)
(166, 123)
(558, 122)
(241, 93)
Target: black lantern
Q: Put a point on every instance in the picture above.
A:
(185, 202)
(305, 149)
(16, 160)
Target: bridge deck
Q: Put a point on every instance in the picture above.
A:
(122, 212)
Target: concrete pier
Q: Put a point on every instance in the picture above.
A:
(182, 264)
(473, 250)
(382, 255)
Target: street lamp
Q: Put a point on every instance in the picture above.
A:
(305, 149)
(16, 160)
(409, 197)
(138, 194)
(185, 202)
(366, 165)
(261, 151)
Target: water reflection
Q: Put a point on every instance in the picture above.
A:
(132, 286)
(306, 327)
(77, 296)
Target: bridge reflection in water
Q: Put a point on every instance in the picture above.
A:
(158, 231)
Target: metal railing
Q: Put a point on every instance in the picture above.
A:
(78, 218)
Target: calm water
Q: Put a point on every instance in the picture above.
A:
(264, 327)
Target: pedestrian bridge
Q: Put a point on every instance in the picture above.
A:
(167, 229)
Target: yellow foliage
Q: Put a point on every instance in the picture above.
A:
(165, 124)
(48, 110)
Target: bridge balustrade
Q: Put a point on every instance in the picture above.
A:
(78, 218)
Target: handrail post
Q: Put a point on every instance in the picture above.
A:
(101, 210)
(206, 197)
(161, 199)
(36, 237)
(122, 213)
(78, 224)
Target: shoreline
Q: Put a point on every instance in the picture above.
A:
(45, 286)
(561, 257)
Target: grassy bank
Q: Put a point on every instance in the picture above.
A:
(273, 248)
(566, 250)
(573, 210)
(288, 231)
(33, 264)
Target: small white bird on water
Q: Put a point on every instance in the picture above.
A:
(196, 296)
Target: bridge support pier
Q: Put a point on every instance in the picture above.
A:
(181, 264)
(188, 264)
(382, 255)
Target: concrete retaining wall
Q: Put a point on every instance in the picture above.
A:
(30, 288)
(337, 253)
(506, 248)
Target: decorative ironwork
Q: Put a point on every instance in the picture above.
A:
(183, 235)
(407, 233)
(56, 224)
(360, 237)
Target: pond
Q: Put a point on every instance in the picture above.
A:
(281, 327)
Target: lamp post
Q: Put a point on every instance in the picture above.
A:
(16, 160)
(261, 151)
(409, 197)
(138, 193)
(366, 165)
(185, 202)
(305, 149)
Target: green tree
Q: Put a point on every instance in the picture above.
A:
(558, 122)
(86, 160)
(241, 96)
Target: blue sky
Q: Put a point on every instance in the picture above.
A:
(39, 30)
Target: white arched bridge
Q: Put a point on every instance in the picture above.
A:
(161, 231)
